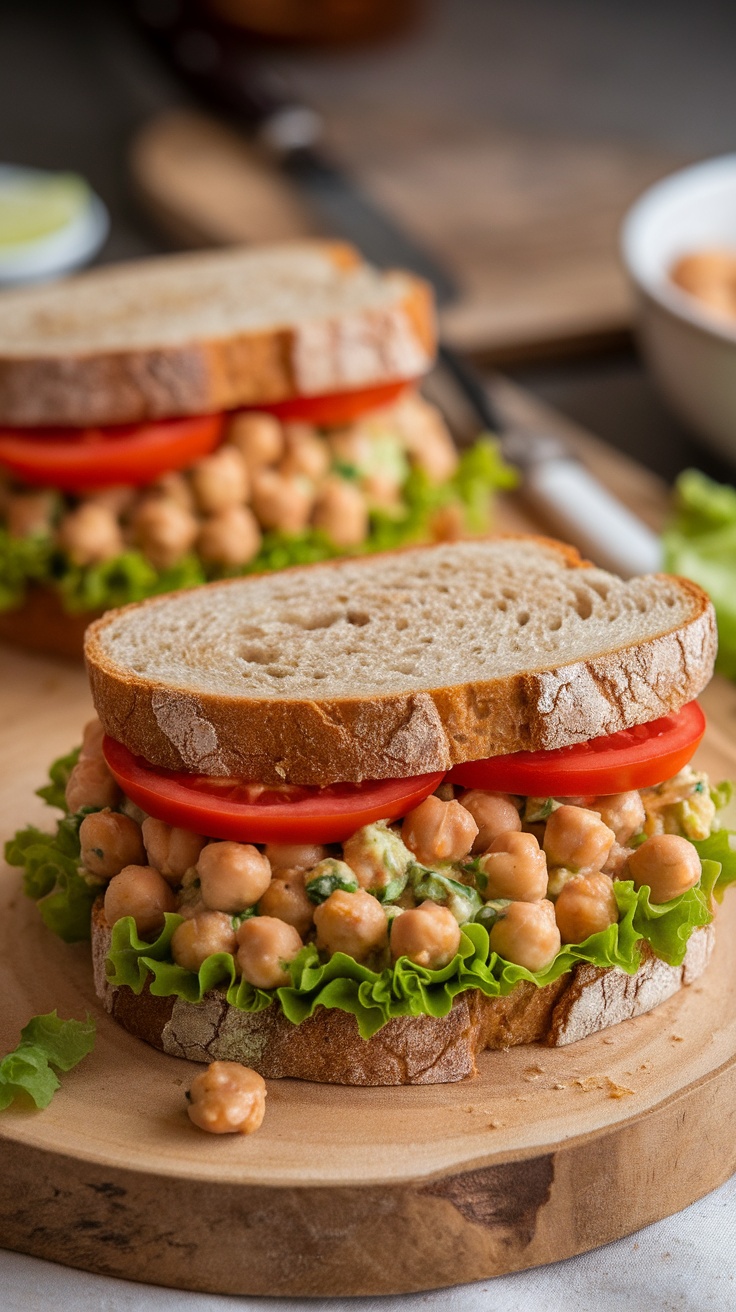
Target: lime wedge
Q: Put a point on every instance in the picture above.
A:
(33, 207)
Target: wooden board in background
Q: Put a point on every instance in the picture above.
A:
(347, 1191)
(528, 224)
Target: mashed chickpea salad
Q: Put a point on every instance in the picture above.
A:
(262, 494)
(471, 889)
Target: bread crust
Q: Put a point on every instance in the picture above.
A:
(366, 347)
(328, 1049)
(398, 735)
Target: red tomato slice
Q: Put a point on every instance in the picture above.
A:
(338, 407)
(78, 459)
(633, 758)
(260, 813)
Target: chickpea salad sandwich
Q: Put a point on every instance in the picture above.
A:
(198, 416)
(359, 820)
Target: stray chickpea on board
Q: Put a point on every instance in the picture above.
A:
(227, 1098)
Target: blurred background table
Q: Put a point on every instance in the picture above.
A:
(654, 81)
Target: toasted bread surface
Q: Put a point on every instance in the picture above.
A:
(208, 331)
(328, 1049)
(399, 664)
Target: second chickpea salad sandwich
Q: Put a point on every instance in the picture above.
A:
(358, 821)
(175, 420)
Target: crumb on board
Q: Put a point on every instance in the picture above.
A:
(533, 1072)
(677, 1038)
(589, 1083)
(496, 1125)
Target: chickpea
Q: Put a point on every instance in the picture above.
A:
(585, 906)
(230, 538)
(341, 512)
(165, 531)
(286, 899)
(140, 892)
(90, 534)
(30, 514)
(91, 784)
(258, 437)
(577, 839)
(233, 876)
(227, 1098)
(515, 867)
(426, 437)
(172, 486)
(200, 937)
(287, 857)
(118, 500)
(439, 831)
(353, 923)
(282, 503)
(448, 523)
(220, 480)
(429, 936)
(170, 850)
(306, 453)
(527, 935)
(494, 814)
(381, 488)
(623, 813)
(265, 947)
(669, 865)
(92, 736)
(110, 841)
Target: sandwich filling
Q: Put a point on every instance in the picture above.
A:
(110, 516)
(408, 898)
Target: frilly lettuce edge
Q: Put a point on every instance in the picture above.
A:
(410, 990)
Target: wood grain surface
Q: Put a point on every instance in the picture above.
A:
(548, 1152)
(527, 224)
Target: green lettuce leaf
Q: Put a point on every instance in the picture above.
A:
(54, 793)
(45, 1042)
(22, 561)
(405, 989)
(53, 878)
(129, 577)
(700, 542)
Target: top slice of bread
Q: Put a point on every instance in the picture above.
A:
(196, 333)
(397, 665)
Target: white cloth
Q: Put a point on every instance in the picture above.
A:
(684, 1264)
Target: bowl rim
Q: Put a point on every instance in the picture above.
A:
(664, 292)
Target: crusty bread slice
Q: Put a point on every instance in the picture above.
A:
(327, 1047)
(194, 333)
(399, 664)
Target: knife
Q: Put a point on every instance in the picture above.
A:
(217, 64)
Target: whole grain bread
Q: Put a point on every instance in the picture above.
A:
(328, 1049)
(207, 331)
(398, 664)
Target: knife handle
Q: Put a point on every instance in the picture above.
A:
(580, 509)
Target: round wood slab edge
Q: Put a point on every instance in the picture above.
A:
(548, 1152)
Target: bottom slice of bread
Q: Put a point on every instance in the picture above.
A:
(42, 624)
(328, 1049)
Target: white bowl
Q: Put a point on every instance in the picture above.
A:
(692, 353)
(61, 250)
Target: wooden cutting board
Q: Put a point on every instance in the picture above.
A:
(548, 1152)
(528, 224)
